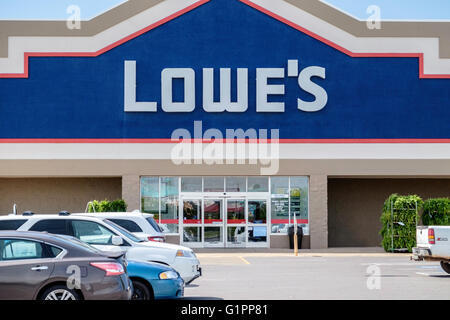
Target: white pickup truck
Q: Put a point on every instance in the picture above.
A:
(433, 244)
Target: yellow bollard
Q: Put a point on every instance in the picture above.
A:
(295, 243)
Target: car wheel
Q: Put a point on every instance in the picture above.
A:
(60, 293)
(140, 291)
(445, 266)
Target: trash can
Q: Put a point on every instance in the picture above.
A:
(291, 236)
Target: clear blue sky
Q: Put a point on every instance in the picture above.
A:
(397, 9)
(52, 9)
(390, 9)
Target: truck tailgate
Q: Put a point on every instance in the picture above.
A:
(442, 237)
(441, 246)
(422, 237)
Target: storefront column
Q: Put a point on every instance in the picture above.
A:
(318, 210)
(131, 191)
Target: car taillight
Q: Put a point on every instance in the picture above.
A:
(111, 268)
(431, 239)
(157, 239)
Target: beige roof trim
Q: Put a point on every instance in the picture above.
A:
(358, 28)
(59, 28)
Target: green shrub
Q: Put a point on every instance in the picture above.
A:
(436, 212)
(118, 205)
(404, 211)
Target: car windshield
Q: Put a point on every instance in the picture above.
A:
(154, 224)
(123, 231)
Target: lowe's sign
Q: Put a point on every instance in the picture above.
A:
(225, 65)
(263, 89)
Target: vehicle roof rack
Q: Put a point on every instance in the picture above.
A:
(64, 213)
(28, 213)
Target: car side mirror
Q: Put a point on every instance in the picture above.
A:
(117, 241)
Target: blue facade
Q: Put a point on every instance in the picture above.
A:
(66, 97)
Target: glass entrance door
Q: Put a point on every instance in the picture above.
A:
(235, 223)
(191, 215)
(257, 234)
(213, 222)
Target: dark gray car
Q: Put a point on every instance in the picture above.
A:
(42, 266)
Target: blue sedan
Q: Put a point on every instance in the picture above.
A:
(154, 281)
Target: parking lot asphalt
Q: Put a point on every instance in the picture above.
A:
(282, 276)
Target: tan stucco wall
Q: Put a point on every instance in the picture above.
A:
(131, 192)
(318, 211)
(51, 195)
(175, 239)
(355, 206)
(282, 242)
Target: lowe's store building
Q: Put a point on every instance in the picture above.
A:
(226, 118)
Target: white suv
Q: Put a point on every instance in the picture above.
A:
(142, 225)
(108, 236)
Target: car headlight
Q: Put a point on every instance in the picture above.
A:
(184, 253)
(168, 275)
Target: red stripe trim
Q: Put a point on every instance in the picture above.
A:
(236, 221)
(194, 221)
(105, 49)
(169, 221)
(38, 140)
(346, 51)
(211, 221)
(303, 221)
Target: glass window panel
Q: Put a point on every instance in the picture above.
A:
(235, 211)
(54, 251)
(129, 225)
(299, 198)
(169, 186)
(258, 184)
(279, 185)
(280, 228)
(11, 224)
(192, 211)
(213, 234)
(169, 200)
(236, 184)
(257, 234)
(192, 234)
(279, 209)
(257, 211)
(92, 232)
(212, 211)
(169, 227)
(150, 195)
(236, 235)
(191, 184)
(16, 249)
(213, 184)
(55, 226)
(154, 224)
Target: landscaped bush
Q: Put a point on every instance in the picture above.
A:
(436, 212)
(118, 205)
(404, 218)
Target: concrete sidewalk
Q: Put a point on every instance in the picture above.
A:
(269, 250)
(354, 251)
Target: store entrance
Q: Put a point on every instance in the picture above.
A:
(224, 221)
